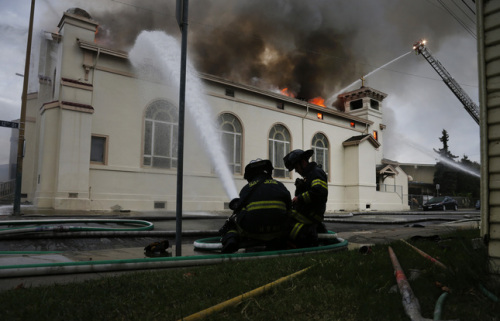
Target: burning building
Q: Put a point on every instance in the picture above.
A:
(102, 135)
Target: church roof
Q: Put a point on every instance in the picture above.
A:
(387, 170)
(356, 140)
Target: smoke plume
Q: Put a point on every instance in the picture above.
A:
(314, 48)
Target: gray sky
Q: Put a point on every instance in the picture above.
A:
(316, 47)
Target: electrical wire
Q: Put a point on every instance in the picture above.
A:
(458, 19)
(465, 14)
(473, 12)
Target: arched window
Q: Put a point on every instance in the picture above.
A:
(320, 146)
(279, 146)
(231, 137)
(160, 135)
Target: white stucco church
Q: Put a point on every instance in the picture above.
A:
(97, 141)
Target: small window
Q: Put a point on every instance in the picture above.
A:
(356, 104)
(353, 124)
(375, 135)
(320, 116)
(280, 105)
(229, 92)
(98, 148)
(159, 205)
(374, 104)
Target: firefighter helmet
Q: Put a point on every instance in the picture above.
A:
(295, 156)
(256, 167)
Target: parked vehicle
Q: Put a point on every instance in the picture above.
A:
(441, 203)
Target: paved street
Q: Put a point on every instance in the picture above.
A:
(357, 228)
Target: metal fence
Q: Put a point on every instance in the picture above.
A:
(398, 189)
(7, 188)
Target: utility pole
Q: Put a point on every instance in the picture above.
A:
(22, 120)
(182, 20)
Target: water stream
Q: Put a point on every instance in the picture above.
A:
(164, 51)
(437, 157)
(333, 97)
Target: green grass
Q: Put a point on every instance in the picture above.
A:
(340, 286)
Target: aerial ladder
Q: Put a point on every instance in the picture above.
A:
(469, 105)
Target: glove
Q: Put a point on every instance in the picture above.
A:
(300, 186)
(234, 204)
(230, 224)
(299, 182)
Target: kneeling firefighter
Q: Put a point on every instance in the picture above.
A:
(309, 203)
(261, 211)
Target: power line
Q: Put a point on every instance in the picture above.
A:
(473, 12)
(465, 14)
(424, 77)
(374, 67)
(458, 19)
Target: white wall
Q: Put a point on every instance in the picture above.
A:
(119, 100)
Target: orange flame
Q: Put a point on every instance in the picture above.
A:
(288, 92)
(317, 101)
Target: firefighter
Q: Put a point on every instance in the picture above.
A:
(261, 211)
(309, 202)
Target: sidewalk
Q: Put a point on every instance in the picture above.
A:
(194, 226)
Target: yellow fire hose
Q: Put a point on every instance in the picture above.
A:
(238, 299)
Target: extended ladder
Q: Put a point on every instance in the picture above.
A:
(469, 105)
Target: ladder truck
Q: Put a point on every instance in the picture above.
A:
(469, 105)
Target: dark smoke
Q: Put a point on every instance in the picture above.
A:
(311, 47)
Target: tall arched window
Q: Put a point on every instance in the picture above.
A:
(160, 135)
(231, 137)
(279, 146)
(320, 147)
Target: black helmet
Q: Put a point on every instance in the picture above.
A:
(296, 155)
(256, 167)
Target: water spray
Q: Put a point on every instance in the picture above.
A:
(334, 96)
(164, 50)
(438, 157)
(390, 62)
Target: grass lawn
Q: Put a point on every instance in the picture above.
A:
(343, 285)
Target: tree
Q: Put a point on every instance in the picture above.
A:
(444, 152)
